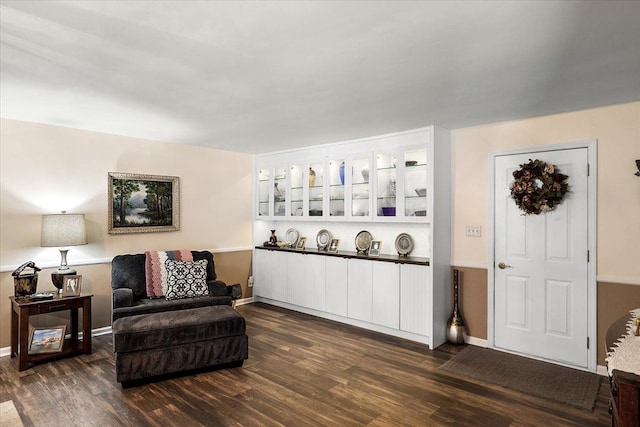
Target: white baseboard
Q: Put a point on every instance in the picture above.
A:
(6, 351)
(602, 370)
(476, 341)
(244, 301)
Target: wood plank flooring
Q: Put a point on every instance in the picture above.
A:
(302, 371)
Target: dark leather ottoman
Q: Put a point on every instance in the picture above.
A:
(154, 344)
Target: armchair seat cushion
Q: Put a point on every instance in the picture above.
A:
(158, 305)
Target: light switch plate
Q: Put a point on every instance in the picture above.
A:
(474, 230)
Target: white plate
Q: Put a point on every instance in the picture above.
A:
(404, 244)
(292, 236)
(363, 241)
(323, 238)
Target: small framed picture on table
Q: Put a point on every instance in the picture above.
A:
(46, 340)
(374, 249)
(333, 246)
(71, 286)
(301, 242)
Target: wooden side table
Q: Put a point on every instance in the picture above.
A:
(22, 308)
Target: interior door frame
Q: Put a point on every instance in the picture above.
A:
(592, 155)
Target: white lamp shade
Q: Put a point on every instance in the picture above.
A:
(62, 230)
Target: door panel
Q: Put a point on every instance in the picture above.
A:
(541, 293)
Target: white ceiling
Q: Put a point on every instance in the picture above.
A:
(264, 76)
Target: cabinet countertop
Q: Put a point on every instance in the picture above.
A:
(353, 255)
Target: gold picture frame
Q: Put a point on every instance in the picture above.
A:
(301, 243)
(374, 248)
(143, 203)
(48, 339)
(71, 285)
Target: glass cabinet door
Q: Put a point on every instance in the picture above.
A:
(360, 186)
(415, 183)
(316, 188)
(280, 192)
(264, 180)
(297, 190)
(386, 176)
(336, 188)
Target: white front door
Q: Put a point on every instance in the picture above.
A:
(541, 268)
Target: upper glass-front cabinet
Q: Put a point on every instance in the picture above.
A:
(316, 189)
(415, 183)
(385, 179)
(402, 185)
(336, 188)
(264, 181)
(297, 190)
(280, 192)
(360, 187)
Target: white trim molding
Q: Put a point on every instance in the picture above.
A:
(92, 261)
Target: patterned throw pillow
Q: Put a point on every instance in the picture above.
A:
(186, 279)
(156, 270)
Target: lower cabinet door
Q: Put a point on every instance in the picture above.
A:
(386, 294)
(360, 292)
(279, 272)
(262, 273)
(336, 285)
(415, 300)
(316, 282)
(297, 280)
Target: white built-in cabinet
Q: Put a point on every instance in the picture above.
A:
(382, 179)
(394, 182)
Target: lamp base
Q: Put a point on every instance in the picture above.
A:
(57, 277)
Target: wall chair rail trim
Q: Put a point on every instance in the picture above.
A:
(92, 261)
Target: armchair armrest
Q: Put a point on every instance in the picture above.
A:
(122, 297)
(235, 291)
(218, 288)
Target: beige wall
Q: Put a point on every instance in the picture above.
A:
(46, 169)
(617, 130)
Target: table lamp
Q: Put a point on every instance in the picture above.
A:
(63, 230)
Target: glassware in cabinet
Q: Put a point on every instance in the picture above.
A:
(386, 177)
(264, 181)
(316, 189)
(336, 188)
(415, 183)
(279, 192)
(297, 190)
(360, 185)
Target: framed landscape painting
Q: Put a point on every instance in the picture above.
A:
(143, 203)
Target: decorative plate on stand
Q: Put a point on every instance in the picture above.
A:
(292, 237)
(363, 241)
(404, 244)
(323, 239)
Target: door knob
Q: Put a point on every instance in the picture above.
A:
(502, 266)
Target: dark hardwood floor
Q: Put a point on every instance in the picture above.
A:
(302, 371)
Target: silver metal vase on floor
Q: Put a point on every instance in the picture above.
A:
(455, 325)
